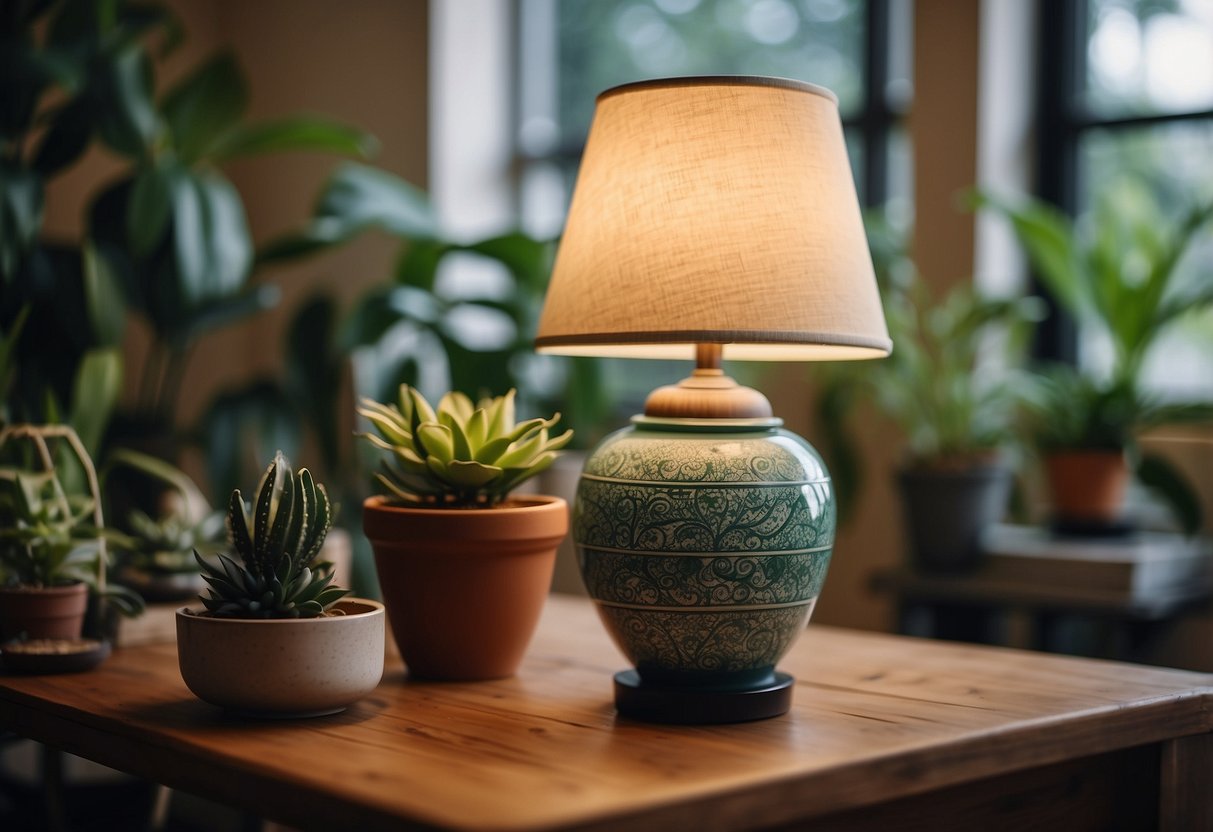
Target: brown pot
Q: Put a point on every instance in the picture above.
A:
(1087, 486)
(37, 612)
(464, 587)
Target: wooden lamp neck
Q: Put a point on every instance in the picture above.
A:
(707, 393)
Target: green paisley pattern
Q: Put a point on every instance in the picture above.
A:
(722, 458)
(720, 642)
(706, 552)
(669, 518)
(704, 581)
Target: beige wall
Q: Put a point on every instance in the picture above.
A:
(943, 125)
(364, 63)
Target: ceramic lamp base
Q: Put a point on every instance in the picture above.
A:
(700, 705)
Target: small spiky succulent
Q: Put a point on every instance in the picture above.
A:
(460, 455)
(276, 543)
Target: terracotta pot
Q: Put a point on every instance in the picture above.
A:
(283, 667)
(1087, 486)
(50, 612)
(464, 587)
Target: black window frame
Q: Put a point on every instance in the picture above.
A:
(1062, 120)
(874, 123)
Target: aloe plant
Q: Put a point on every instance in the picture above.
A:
(460, 454)
(277, 541)
(1117, 272)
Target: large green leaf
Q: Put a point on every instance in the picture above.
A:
(205, 105)
(98, 385)
(104, 298)
(1047, 236)
(149, 208)
(221, 312)
(528, 259)
(314, 370)
(1157, 473)
(230, 244)
(127, 117)
(293, 133)
(21, 201)
(357, 198)
(8, 364)
(212, 249)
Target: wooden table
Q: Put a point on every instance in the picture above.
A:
(885, 731)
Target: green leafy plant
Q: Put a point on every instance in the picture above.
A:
(46, 539)
(277, 541)
(166, 240)
(52, 535)
(952, 384)
(183, 522)
(952, 406)
(460, 455)
(1117, 272)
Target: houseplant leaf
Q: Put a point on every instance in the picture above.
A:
(294, 133)
(205, 104)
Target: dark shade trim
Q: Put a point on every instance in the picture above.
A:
(721, 81)
(711, 336)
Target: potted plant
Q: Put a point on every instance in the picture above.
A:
(1119, 275)
(957, 404)
(52, 544)
(156, 554)
(464, 568)
(275, 636)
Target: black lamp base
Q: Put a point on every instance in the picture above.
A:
(700, 706)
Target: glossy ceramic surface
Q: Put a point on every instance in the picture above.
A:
(705, 548)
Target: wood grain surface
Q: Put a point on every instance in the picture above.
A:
(875, 718)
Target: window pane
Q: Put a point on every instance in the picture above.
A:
(603, 44)
(1173, 159)
(1172, 163)
(1149, 56)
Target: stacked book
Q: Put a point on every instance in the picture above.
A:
(1146, 566)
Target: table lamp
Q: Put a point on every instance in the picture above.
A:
(711, 216)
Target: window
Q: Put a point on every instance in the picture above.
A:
(571, 50)
(1127, 97)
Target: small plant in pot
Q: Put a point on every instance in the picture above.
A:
(275, 637)
(1122, 273)
(52, 550)
(156, 553)
(464, 568)
(952, 386)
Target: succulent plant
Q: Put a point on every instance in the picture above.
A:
(276, 543)
(46, 535)
(460, 455)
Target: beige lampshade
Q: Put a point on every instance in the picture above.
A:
(715, 210)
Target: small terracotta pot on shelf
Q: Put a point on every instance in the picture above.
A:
(464, 588)
(1087, 487)
(55, 612)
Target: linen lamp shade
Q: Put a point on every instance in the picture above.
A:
(715, 210)
(711, 215)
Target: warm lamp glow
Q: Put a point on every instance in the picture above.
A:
(715, 210)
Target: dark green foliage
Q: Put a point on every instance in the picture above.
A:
(276, 543)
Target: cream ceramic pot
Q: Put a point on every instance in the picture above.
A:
(283, 667)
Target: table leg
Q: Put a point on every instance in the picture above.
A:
(53, 797)
(1186, 792)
